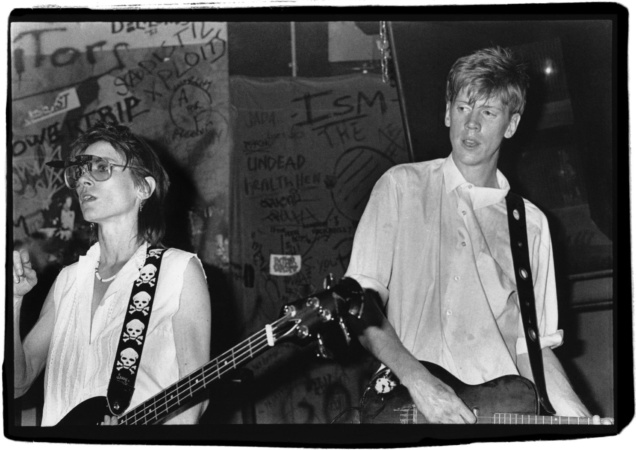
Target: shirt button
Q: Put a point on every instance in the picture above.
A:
(449, 312)
(464, 212)
(463, 244)
(470, 186)
(456, 278)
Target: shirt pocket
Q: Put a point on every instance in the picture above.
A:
(496, 284)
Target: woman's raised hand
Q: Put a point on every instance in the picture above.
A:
(24, 277)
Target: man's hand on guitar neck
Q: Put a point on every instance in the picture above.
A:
(598, 420)
(435, 399)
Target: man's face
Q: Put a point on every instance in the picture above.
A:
(476, 130)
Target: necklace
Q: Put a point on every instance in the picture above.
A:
(106, 280)
(99, 277)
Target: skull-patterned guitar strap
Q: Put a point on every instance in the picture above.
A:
(131, 342)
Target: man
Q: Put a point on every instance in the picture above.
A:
(433, 243)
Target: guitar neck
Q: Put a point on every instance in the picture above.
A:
(175, 396)
(531, 419)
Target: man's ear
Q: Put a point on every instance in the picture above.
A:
(512, 126)
(447, 115)
(146, 189)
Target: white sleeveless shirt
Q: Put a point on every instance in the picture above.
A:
(81, 355)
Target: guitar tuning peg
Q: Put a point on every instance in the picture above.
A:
(345, 330)
(323, 352)
(328, 281)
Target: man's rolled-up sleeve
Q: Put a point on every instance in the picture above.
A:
(542, 262)
(373, 246)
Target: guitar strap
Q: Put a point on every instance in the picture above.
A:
(525, 292)
(133, 333)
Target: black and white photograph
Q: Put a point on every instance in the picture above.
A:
(310, 226)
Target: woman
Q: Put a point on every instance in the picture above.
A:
(120, 185)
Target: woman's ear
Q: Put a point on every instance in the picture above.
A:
(146, 189)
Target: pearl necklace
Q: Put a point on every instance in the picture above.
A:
(99, 277)
(106, 280)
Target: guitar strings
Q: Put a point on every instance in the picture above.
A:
(172, 395)
(150, 406)
(530, 419)
(409, 415)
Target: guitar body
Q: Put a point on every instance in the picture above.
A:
(387, 401)
(89, 412)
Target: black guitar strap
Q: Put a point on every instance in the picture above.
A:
(131, 342)
(525, 291)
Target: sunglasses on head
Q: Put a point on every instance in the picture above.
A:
(98, 168)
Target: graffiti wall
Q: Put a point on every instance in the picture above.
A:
(306, 156)
(167, 81)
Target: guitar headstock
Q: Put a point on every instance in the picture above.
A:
(307, 317)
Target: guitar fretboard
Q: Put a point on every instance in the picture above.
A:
(530, 419)
(410, 414)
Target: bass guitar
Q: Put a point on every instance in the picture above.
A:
(510, 399)
(300, 320)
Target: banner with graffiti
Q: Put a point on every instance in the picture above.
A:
(167, 81)
(307, 153)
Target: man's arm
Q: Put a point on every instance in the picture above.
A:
(559, 389)
(433, 398)
(372, 259)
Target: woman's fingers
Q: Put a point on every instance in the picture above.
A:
(18, 270)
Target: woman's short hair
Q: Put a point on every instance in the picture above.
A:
(488, 73)
(142, 161)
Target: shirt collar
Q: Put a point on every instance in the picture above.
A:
(481, 196)
(139, 257)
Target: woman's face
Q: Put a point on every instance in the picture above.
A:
(112, 199)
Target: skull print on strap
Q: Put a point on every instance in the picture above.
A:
(147, 275)
(128, 360)
(135, 327)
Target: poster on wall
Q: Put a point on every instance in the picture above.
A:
(307, 153)
(166, 81)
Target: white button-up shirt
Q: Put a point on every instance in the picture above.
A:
(437, 249)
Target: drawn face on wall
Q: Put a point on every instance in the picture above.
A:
(68, 202)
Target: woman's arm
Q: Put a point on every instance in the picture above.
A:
(192, 330)
(29, 355)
